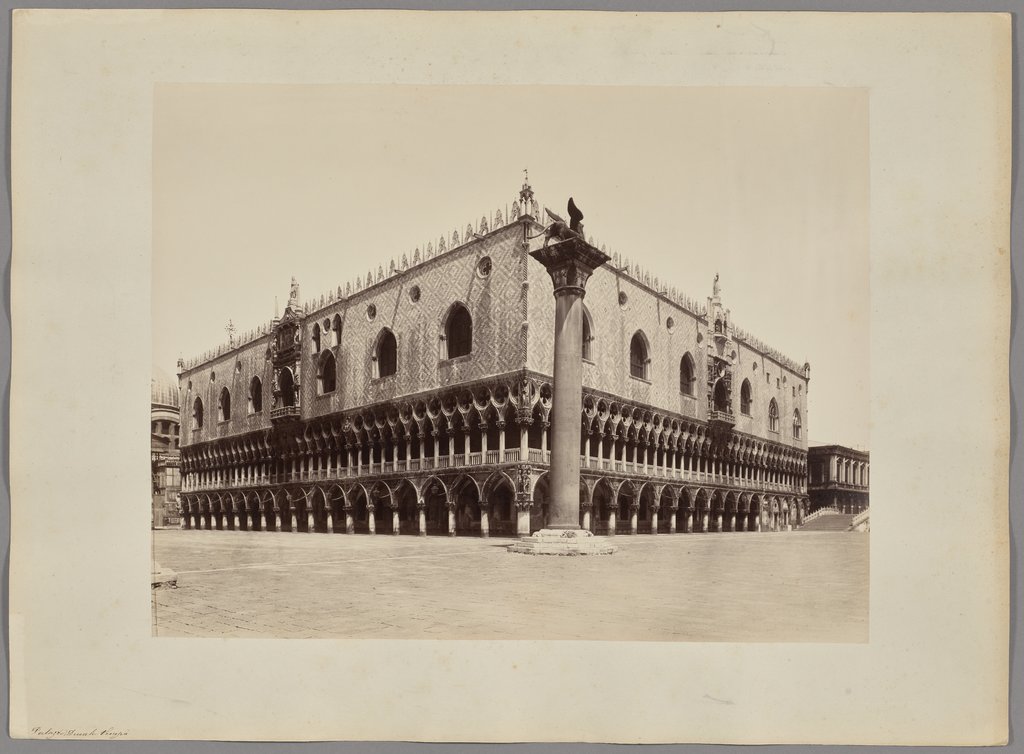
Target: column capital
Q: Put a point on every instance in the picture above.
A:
(524, 505)
(570, 263)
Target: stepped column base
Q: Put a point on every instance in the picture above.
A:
(563, 542)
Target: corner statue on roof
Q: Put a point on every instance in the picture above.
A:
(559, 230)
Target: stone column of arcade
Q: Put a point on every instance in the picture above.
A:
(570, 263)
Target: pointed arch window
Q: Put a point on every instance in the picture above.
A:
(255, 396)
(773, 416)
(336, 331)
(326, 376)
(224, 405)
(686, 374)
(316, 338)
(639, 360)
(458, 332)
(197, 414)
(745, 392)
(721, 397)
(385, 355)
(286, 384)
(588, 336)
(796, 424)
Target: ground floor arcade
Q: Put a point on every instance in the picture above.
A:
(507, 501)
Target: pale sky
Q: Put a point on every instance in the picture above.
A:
(768, 187)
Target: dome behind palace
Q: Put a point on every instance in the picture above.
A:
(163, 388)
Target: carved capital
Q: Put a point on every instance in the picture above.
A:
(570, 263)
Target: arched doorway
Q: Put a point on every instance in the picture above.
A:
(408, 512)
(602, 506)
(320, 509)
(467, 507)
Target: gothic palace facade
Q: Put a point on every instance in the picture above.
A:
(416, 401)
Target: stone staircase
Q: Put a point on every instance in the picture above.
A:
(829, 522)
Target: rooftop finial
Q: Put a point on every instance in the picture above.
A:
(230, 329)
(526, 192)
(293, 296)
(716, 289)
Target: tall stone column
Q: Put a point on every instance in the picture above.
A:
(421, 514)
(569, 263)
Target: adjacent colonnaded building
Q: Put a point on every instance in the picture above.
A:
(416, 400)
(164, 454)
(839, 478)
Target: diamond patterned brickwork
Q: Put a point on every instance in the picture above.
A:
(493, 303)
(613, 326)
(513, 313)
(233, 370)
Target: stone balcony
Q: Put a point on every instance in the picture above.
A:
(721, 419)
(284, 414)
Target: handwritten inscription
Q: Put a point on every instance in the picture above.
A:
(79, 732)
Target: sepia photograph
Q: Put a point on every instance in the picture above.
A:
(530, 361)
(413, 343)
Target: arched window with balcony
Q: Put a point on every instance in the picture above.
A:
(745, 392)
(458, 332)
(588, 335)
(796, 424)
(639, 360)
(336, 330)
(255, 395)
(224, 405)
(286, 384)
(326, 375)
(385, 354)
(197, 414)
(316, 338)
(686, 371)
(721, 396)
(773, 416)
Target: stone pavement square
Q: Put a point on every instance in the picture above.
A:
(750, 587)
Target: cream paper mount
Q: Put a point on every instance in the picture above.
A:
(84, 663)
